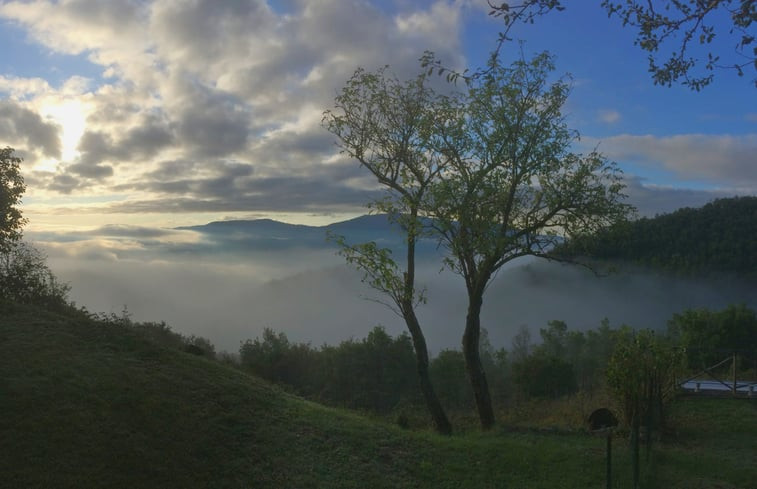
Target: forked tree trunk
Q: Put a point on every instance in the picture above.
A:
(441, 422)
(473, 365)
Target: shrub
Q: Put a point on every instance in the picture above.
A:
(25, 278)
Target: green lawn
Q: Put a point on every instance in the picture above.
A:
(84, 404)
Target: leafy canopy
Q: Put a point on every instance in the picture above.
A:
(12, 187)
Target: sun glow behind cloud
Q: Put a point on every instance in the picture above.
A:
(70, 115)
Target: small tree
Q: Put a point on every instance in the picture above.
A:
(11, 189)
(511, 187)
(641, 376)
(25, 277)
(387, 125)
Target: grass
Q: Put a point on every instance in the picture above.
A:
(86, 404)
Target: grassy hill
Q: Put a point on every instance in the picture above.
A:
(91, 404)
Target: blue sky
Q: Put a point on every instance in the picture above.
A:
(173, 112)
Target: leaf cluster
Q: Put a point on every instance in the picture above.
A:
(641, 375)
(689, 22)
(672, 27)
(511, 186)
(12, 187)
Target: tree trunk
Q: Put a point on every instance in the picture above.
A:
(441, 423)
(473, 365)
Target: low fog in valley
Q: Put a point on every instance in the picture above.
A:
(216, 287)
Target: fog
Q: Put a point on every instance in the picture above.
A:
(313, 297)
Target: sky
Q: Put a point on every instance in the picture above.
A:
(135, 117)
(173, 112)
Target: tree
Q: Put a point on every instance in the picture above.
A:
(11, 189)
(387, 125)
(641, 376)
(706, 336)
(510, 186)
(25, 277)
(669, 27)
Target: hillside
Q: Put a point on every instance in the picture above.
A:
(717, 238)
(92, 404)
(269, 235)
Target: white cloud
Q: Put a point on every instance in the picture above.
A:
(205, 81)
(724, 160)
(608, 116)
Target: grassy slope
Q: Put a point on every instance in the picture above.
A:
(87, 405)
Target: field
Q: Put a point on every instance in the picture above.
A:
(88, 404)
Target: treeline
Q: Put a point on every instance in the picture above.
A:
(717, 238)
(377, 373)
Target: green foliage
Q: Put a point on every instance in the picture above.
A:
(25, 277)
(512, 186)
(708, 336)
(693, 23)
(565, 361)
(641, 376)
(491, 165)
(448, 374)
(11, 189)
(512, 181)
(274, 358)
(545, 376)
(666, 30)
(374, 374)
(387, 126)
(714, 239)
(93, 404)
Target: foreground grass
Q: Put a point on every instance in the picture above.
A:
(83, 404)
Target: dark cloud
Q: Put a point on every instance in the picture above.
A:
(723, 159)
(233, 186)
(127, 231)
(143, 141)
(207, 31)
(19, 125)
(212, 123)
(64, 183)
(651, 200)
(171, 170)
(88, 170)
(277, 194)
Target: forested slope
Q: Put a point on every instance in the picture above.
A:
(720, 237)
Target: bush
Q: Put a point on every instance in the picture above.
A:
(545, 376)
(25, 278)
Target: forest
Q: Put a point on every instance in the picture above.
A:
(714, 240)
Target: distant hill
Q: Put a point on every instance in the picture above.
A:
(267, 234)
(720, 237)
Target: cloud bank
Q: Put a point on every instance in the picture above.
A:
(207, 106)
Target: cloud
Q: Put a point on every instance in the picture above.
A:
(144, 140)
(724, 159)
(23, 87)
(650, 199)
(64, 183)
(21, 126)
(201, 83)
(608, 116)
